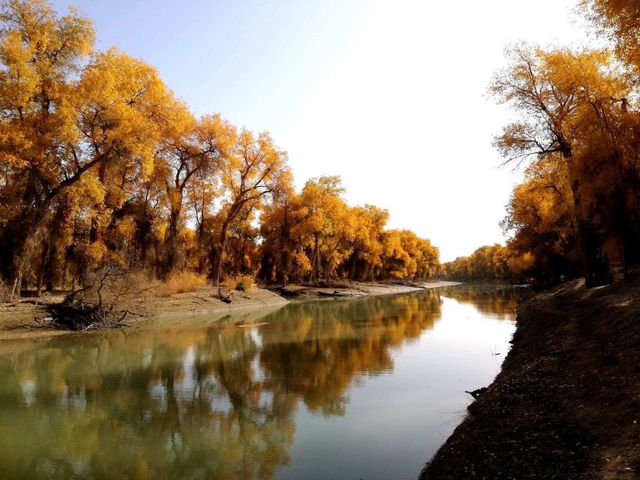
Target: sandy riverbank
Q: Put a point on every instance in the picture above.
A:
(567, 402)
(360, 289)
(17, 320)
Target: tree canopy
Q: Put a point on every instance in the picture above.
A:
(100, 164)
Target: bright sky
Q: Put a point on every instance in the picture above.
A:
(389, 94)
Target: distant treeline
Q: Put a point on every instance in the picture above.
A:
(578, 210)
(491, 262)
(100, 165)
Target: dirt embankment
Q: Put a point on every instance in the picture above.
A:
(17, 320)
(567, 402)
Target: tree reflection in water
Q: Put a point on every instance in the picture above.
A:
(216, 402)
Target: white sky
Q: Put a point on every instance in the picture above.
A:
(403, 114)
(389, 94)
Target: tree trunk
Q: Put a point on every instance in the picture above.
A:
(156, 248)
(172, 241)
(218, 254)
(20, 254)
(44, 261)
(316, 259)
(595, 266)
(285, 242)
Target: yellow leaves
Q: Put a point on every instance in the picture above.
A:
(126, 228)
(175, 198)
(14, 142)
(96, 251)
(122, 167)
(408, 256)
(75, 33)
(575, 109)
(325, 236)
(489, 262)
(217, 134)
(124, 108)
(89, 190)
(20, 79)
(620, 21)
(521, 263)
(561, 94)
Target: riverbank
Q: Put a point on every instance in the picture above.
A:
(359, 289)
(566, 404)
(18, 320)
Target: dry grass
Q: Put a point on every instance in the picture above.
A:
(5, 292)
(182, 282)
(241, 283)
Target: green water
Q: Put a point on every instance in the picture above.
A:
(353, 389)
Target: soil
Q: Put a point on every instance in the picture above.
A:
(566, 404)
(19, 320)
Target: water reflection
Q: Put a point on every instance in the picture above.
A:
(217, 402)
(494, 300)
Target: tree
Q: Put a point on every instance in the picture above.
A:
(70, 120)
(620, 21)
(100, 165)
(324, 226)
(564, 98)
(249, 173)
(366, 260)
(279, 228)
(197, 150)
(40, 53)
(540, 217)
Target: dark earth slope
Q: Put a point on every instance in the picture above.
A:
(567, 402)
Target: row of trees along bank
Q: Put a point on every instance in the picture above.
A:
(578, 134)
(100, 164)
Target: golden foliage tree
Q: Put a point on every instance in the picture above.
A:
(101, 166)
(574, 107)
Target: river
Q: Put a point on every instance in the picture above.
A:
(366, 388)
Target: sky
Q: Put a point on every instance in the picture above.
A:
(388, 94)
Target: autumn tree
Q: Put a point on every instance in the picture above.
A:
(490, 262)
(366, 259)
(570, 104)
(619, 20)
(252, 170)
(280, 228)
(40, 53)
(541, 221)
(316, 235)
(406, 256)
(101, 166)
(67, 120)
(196, 152)
(325, 231)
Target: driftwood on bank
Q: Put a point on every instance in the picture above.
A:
(81, 316)
(79, 313)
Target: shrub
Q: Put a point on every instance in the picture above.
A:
(241, 283)
(103, 303)
(182, 282)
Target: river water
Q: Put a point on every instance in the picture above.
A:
(337, 389)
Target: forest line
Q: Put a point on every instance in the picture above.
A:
(102, 166)
(577, 213)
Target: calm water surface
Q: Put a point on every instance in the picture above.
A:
(354, 389)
